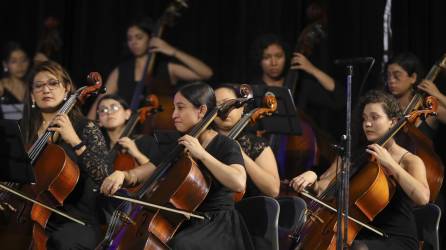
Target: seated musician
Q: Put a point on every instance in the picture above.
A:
(175, 65)
(260, 163)
(219, 157)
(49, 87)
(404, 75)
(113, 113)
(380, 112)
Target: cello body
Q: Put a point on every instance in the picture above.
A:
(370, 192)
(183, 187)
(56, 176)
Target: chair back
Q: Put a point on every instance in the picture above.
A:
(292, 217)
(261, 215)
(428, 221)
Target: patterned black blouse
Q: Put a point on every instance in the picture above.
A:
(253, 146)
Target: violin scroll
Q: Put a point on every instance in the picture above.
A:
(94, 86)
(431, 104)
(151, 106)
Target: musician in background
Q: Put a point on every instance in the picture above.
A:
(15, 65)
(113, 113)
(404, 74)
(173, 66)
(380, 112)
(217, 156)
(49, 87)
(260, 163)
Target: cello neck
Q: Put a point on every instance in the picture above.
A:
(128, 129)
(41, 142)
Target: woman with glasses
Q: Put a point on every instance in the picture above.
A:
(113, 113)
(49, 87)
(405, 75)
(15, 65)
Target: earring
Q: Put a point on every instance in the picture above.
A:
(33, 105)
(65, 97)
(5, 69)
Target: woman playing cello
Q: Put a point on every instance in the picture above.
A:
(380, 112)
(217, 156)
(82, 141)
(260, 164)
(113, 113)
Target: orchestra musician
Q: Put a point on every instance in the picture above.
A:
(380, 112)
(49, 86)
(219, 157)
(260, 163)
(404, 75)
(176, 65)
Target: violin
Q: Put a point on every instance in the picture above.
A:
(370, 192)
(162, 90)
(123, 160)
(176, 182)
(55, 173)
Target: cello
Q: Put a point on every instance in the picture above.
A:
(423, 146)
(370, 192)
(176, 182)
(56, 174)
(123, 160)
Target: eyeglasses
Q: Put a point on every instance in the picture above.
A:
(109, 110)
(52, 84)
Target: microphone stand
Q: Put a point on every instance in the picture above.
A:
(344, 173)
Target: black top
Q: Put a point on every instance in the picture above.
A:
(93, 164)
(11, 107)
(127, 82)
(224, 228)
(253, 146)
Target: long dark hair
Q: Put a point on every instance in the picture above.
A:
(7, 50)
(32, 117)
(199, 93)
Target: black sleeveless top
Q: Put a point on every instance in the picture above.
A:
(127, 82)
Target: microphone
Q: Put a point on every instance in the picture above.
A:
(354, 60)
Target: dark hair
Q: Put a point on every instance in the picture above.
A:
(115, 97)
(199, 93)
(32, 117)
(259, 46)
(143, 23)
(8, 48)
(231, 86)
(390, 104)
(410, 63)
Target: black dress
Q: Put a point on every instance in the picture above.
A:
(127, 82)
(253, 146)
(11, 107)
(82, 203)
(225, 229)
(398, 221)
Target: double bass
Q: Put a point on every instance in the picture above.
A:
(370, 192)
(176, 182)
(312, 147)
(163, 90)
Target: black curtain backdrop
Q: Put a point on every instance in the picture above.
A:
(220, 32)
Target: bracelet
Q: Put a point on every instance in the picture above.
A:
(79, 146)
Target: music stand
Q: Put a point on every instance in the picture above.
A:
(285, 120)
(16, 165)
